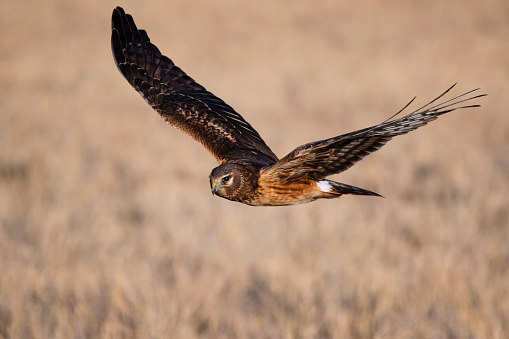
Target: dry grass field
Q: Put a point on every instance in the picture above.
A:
(107, 225)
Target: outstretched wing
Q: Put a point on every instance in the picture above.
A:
(180, 100)
(319, 159)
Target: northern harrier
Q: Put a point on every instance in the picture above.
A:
(249, 172)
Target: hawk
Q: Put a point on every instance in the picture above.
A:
(249, 172)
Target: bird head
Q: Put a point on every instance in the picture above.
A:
(226, 180)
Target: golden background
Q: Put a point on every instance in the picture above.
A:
(109, 230)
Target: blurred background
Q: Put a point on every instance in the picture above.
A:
(107, 225)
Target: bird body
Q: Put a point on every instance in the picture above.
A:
(249, 172)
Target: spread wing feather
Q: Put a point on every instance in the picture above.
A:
(319, 159)
(180, 100)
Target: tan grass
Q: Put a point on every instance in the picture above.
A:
(108, 228)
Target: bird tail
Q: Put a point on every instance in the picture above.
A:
(339, 189)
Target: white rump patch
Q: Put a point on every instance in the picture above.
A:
(324, 186)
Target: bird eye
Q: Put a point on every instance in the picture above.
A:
(226, 179)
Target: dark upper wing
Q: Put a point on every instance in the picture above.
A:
(180, 100)
(319, 159)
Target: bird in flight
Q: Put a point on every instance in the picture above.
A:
(249, 172)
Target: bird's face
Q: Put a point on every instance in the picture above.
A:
(226, 180)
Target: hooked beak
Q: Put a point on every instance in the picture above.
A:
(214, 187)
